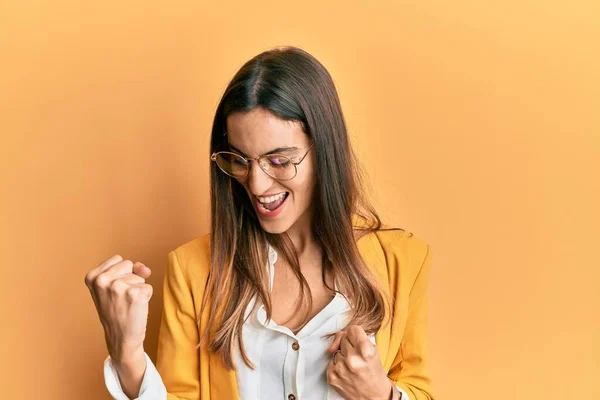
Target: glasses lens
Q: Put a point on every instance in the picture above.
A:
(278, 166)
(232, 164)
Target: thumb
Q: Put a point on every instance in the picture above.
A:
(141, 270)
(336, 341)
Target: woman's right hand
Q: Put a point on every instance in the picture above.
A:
(121, 296)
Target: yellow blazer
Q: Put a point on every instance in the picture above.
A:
(401, 260)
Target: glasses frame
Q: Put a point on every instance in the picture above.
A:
(214, 155)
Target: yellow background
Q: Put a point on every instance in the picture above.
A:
(478, 123)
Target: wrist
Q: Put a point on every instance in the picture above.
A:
(130, 372)
(129, 359)
(125, 352)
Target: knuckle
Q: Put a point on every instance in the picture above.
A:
(88, 279)
(150, 291)
(352, 363)
(133, 293)
(102, 281)
(118, 286)
(145, 292)
(331, 374)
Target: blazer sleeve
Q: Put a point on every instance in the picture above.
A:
(410, 368)
(177, 358)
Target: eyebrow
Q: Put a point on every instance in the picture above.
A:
(285, 149)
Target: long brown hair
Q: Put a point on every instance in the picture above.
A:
(294, 86)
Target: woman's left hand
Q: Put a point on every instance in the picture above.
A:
(356, 371)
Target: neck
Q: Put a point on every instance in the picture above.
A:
(303, 236)
(310, 250)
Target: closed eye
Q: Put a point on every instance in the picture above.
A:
(277, 160)
(240, 161)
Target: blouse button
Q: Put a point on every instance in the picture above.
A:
(291, 397)
(295, 346)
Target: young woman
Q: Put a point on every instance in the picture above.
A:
(298, 291)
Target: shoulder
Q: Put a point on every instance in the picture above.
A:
(192, 257)
(198, 247)
(403, 244)
(406, 255)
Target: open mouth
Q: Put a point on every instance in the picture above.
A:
(272, 207)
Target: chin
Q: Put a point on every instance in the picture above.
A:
(274, 227)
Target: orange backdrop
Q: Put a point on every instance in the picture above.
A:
(478, 124)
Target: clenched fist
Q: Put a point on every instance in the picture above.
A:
(355, 369)
(121, 296)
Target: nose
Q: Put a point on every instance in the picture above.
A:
(258, 180)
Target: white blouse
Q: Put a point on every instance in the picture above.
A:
(288, 366)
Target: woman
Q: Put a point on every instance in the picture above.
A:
(299, 291)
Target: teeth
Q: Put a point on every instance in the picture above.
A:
(271, 199)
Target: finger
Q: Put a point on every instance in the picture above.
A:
(109, 262)
(356, 334)
(340, 367)
(91, 276)
(367, 348)
(109, 272)
(346, 346)
(331, 373)
(336, 341)
(141, 270)
(119, 269)
(143, 294)
(116, 271)
(133, 279)
(335, 363)
(360, 342)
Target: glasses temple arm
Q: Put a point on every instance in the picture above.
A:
(305, 154)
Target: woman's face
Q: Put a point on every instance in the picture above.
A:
(257, 133)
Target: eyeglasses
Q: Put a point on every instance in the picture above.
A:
(277, 166)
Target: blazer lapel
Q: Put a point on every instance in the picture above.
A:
(373, 255)
(221, 381)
